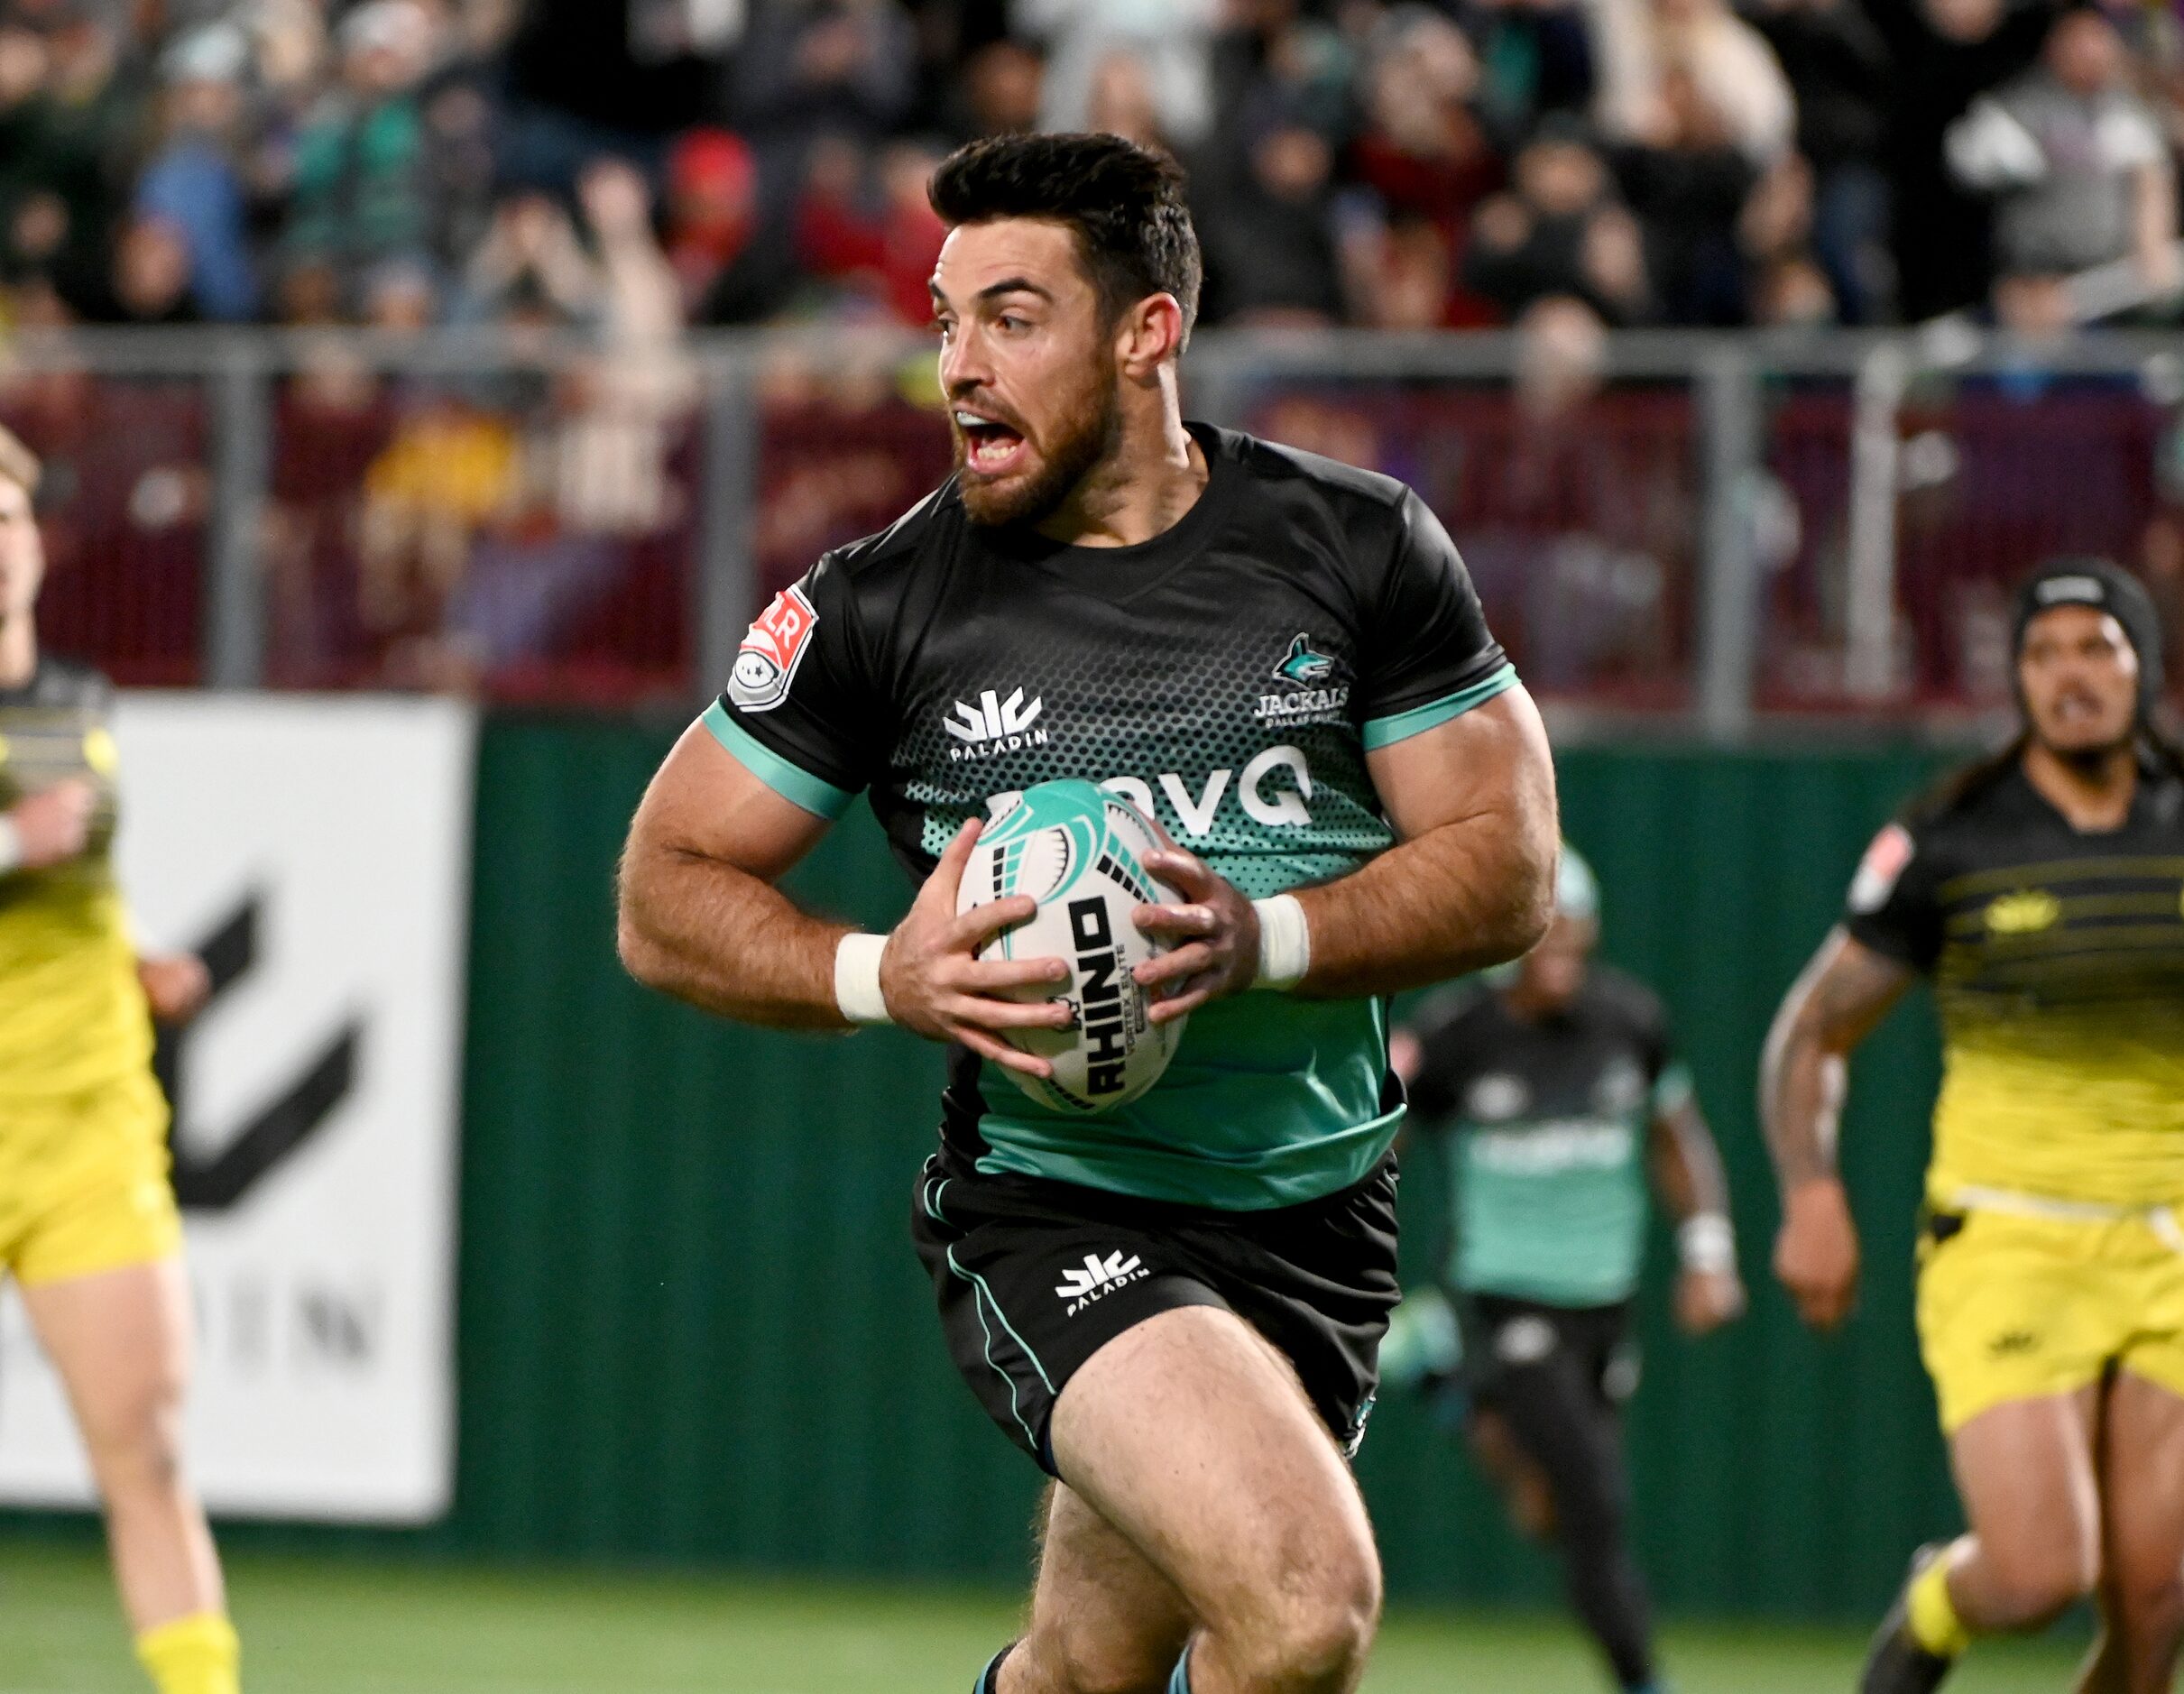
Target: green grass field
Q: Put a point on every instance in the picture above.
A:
(337, 1627)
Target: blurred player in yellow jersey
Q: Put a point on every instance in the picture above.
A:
(2042, 891)
(88, 1220)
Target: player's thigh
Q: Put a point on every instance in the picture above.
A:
(1192, 1437)
(2142, 1471)
(2025, 1472)
(1099, 1606)
(121, 1342)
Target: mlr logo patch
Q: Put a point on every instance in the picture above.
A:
(766, 662)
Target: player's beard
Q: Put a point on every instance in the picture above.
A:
(1096, 410)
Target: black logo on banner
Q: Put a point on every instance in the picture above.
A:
(279, 1127)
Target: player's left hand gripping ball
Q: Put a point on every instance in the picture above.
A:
(1209, 937)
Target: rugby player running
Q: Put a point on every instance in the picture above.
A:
(88, 1227)
(1172, 1307)
(2042, 892)
(1556, 1093)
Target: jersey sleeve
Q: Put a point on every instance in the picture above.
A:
(1427, 655)
(1891, 906)
(800, 711)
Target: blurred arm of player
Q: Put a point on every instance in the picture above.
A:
(1687, 1177)
(48, 827)
(699, 918)
(176, 984)
(1469, 882)
(1834, 1005)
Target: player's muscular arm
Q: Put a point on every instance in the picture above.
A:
(701, 919)
(1470, 880)
(1839, 1001)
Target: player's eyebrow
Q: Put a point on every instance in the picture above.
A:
(993, 290)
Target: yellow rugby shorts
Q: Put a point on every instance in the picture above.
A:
(83, 1182)
(2016, 1307)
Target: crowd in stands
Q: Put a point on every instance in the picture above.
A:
(655, 163)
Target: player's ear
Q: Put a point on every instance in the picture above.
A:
(1149, 335)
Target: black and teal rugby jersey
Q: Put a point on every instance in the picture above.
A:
(1546, 1124)
(1230, 676)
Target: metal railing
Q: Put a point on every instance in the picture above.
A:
(1709, 528)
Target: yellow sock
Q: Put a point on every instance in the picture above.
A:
(1932, 1614)
(192, 1655)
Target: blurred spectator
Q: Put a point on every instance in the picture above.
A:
(359, 190)
(1269, 233)
(827, 68)
(1405, 277)
(1561, 232)
(1268, 50)
(193, 181)
(2075, 161)
(1170, 40)
(1352, 158)
(874, 241)
(1642, 43)
(1423, 148)
(1845, 79)
(998, 93)
(1122, 101)
(712, 209)
(1947, 53)
(152, 268)
(530, 265)
(1688, 184)
(1536, 56)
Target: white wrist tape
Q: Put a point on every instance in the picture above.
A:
(1285, 942)
(10, 845)
(1706, 1242)
(857, 980)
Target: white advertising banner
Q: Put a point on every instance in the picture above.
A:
(317, 851)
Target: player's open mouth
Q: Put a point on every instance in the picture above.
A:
(991, 449)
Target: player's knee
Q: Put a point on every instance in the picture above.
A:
(1313, 1633)
(135, 1444)
(2038, 1584)
(2146, 1603)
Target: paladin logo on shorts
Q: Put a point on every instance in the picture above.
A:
(1098, 1278)
(994, 725)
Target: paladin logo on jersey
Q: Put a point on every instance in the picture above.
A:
(1314, 689)
(994, 725)
(1098, 1279)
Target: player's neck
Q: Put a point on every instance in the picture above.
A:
(2093, 794)
(18, 650)
(1139, 490)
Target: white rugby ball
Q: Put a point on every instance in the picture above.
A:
(1079, 853)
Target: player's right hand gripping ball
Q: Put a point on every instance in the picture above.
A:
(1079, 853)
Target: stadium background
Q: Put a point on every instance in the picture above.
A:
(513, 352)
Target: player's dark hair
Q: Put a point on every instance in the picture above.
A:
(1124, 203)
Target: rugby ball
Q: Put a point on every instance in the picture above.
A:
(1079, 853)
